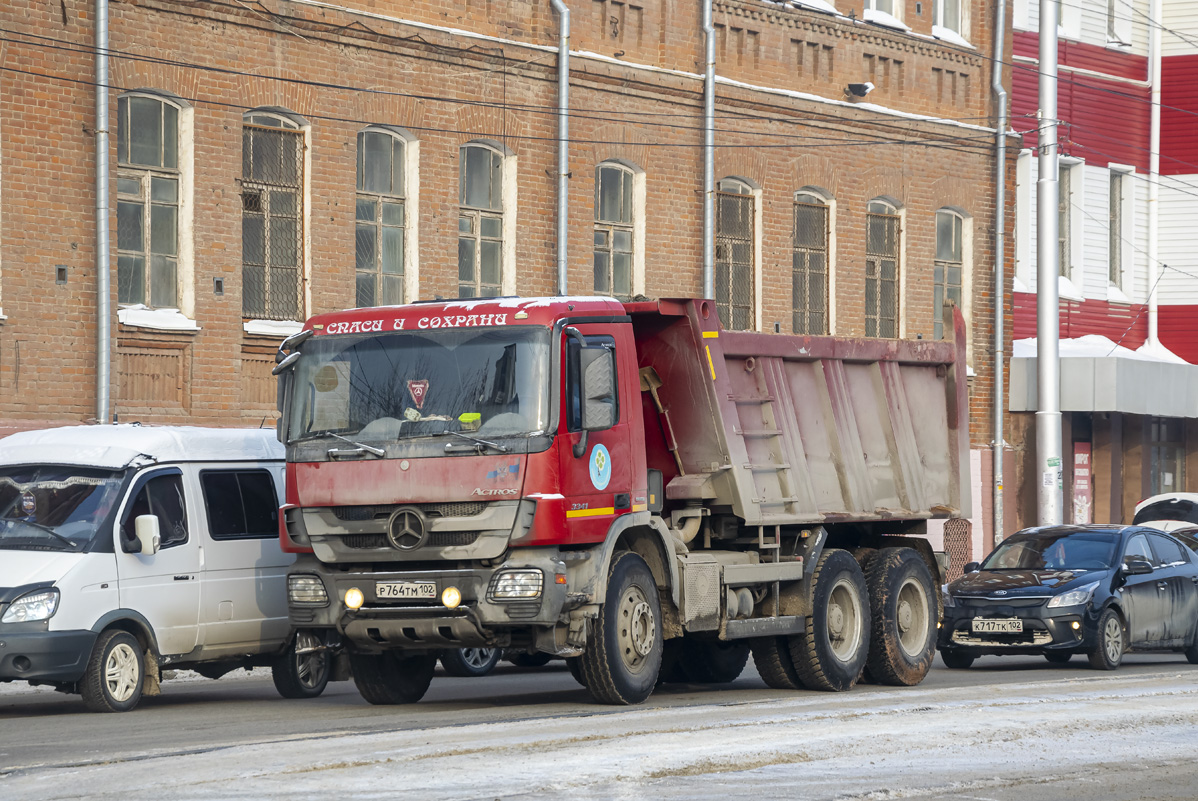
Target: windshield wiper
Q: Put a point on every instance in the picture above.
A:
(367, 448)
(69, 543)
(495, 445)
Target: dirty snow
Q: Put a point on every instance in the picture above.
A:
(870, 744)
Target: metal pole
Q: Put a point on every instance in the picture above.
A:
(708, 154)
(103, 282)
(1000, 231)
(1154, 166)
(1048, 407)
(563, 139)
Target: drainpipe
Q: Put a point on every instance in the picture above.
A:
(103, 285)
(1154, 166)
(563, 137)
(708, 154)
(1048, 313)
(1000, 228)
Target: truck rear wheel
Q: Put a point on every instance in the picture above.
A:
(829, 655)
(903, 629)
(771, 657)
(390, 679)
(623, 657)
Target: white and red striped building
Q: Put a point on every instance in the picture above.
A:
(1130, 411)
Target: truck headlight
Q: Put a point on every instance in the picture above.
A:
(305, 590)
(40, 605)
(516, 585)
(1081, 595)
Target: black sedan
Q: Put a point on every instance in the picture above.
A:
(1064, 590)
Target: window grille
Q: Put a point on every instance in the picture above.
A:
(379, 232)
(613, 231)
(882, 224)
(272, 167)
(949, 267)
(734, 240)
(480, 222)
(1115, 230)
(809, 282)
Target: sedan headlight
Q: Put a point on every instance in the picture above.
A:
(1081, 595)
(40, 605)
(946, 597)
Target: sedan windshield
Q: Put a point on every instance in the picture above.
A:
(486, 383)
(1055, 550)
(54, 508)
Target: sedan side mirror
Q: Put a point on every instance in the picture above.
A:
(973, 567)
(1137, 567)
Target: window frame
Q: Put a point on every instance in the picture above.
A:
(941, 285)
(572, 419)
(139, 485)
(610, 227)
(274, 120)
(895, 10)
(963, 16)
(378, 225)
(1162, 451)
(734, 187)
(891, 212)
(477, 214)
(146, 176)
(1119, 27)
(238, 472)
(806, 327)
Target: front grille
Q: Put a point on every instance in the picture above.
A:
(360, 513)
(1025, 638)
(987, 604)
(437, 539)
(522, 611)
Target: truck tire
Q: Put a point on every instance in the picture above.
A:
(470, 662)
(386, 678)
(829, 655)
(572, 664)
(671, 671)
(623, 656)
(902, 603)
(302, 675)
(771, 657)
(113, 678)
(712, 661)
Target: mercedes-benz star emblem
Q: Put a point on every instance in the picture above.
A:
(406, 530)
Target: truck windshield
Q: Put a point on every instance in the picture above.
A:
(48, 507)
(486, 383)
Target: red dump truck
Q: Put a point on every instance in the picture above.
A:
(626, 485)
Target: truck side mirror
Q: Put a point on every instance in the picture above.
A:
(145, 528)
(598, 388)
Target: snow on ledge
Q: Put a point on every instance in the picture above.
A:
(950, 36)
(1095, 346)
(884, 19)
(1017, 285)
(140, 316)
(272, 328)
(817, 5)
(1068, 290)
(1116, 295)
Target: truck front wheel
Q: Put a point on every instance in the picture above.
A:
(304, 668)
(903, 602)
(623, 657)
(388, 678)
(830, 654)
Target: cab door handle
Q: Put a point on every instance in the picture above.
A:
(1161, 585)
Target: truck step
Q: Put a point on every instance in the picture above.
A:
(764, 627)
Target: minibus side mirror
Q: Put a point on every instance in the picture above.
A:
(145, 528)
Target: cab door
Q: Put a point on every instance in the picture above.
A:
(1175, 583)
(601, 483)
(163, 587)
(1141, 596)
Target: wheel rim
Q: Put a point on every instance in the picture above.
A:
(310, 661)
(477, 658)
(844, 621)
(121, 672)
(912, 615)
(637, 628)
(1113, 639)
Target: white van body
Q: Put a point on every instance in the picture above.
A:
(213, 595)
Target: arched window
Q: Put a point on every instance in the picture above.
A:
(809, 263)
(480, 221)
(615, 230)
(882, 235)
(379, 227)
(949, 266)
(735, 240)
(272, 235)
(148, 200)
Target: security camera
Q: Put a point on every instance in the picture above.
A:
(858, 89)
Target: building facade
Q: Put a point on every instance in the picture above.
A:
(275, 160)
(1129, 402)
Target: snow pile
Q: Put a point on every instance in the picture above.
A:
(1095, 346)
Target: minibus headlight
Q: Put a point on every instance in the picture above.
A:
(40, 605)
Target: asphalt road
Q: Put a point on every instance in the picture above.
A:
(49, 741)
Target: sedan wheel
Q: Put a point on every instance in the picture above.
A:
(1108, 649)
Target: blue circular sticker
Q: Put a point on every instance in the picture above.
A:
(600, 467)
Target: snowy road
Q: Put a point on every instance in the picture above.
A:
(1014, 730)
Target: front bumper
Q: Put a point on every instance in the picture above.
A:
(385, 624)
(45, 656)
(1044, 629)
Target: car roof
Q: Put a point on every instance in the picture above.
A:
(117, 446)
(1192, 497)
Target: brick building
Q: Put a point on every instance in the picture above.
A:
(275, 159)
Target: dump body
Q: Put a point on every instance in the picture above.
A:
(796, 430)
